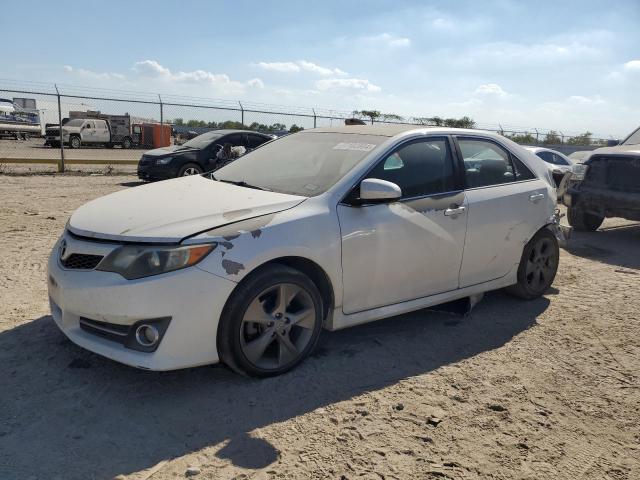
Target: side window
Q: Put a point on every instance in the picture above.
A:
(235, 139)
(559, 160)
(423, 167)
(256, 141)
(485, 163)
(546, 156)
(522, 171)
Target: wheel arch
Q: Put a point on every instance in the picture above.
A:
(311, 269)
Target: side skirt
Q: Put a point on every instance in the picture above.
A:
(338, 320)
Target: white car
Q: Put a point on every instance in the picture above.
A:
(329, 227)
(557, 163)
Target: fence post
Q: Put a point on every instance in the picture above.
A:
(561, 138)
(162, 116)
(61, 162)
(314, 117)
(241, 113)
(537, 136)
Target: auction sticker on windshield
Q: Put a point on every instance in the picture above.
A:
(360, 147)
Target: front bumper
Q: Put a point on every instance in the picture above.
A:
(150, 171)
(192, 298)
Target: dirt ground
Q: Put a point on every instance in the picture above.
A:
(535, 390)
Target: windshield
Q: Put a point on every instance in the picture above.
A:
(633, 139)
(202, 141)
(304, 163)
(76, 122)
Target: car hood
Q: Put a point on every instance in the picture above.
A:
(169, 211)
(161, 152)
(617, 150)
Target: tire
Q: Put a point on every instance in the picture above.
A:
(75, 142)
(127, 143)
(583, 221)
(108, 145)
(538, 266)
(189, 169)
(285, 336)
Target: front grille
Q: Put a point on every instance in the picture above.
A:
(110, 331)
(52, 133)
(81, 261)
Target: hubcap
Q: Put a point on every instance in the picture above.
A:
(190, 171)
(277, 326)
(541, 265)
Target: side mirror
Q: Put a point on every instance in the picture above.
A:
(613, 143)
(374, 189)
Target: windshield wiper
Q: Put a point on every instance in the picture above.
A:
(240, 183)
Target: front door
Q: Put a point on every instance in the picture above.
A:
(411, 248)
(506, 205)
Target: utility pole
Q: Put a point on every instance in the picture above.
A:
(61, 162)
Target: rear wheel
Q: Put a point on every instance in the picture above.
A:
(74, 142)
(189, 169)
(583, 221)
(271, 322)
(126, 143)
(538, 266)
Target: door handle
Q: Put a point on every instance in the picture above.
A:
(454, 212)
(536, 197)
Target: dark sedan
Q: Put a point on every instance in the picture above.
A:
(196, 156)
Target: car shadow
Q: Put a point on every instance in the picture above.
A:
(614, 245)
(133, 184)
(60, 403)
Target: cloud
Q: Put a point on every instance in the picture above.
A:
(386, 40)
(298, 66)
(633, 65)
(580, 100)
(492, 89)
(357, 84)
(153, 69)
(91, 75)
(255, 82)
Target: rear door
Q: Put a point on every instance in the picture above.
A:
(506, 206)
(101, 131)
(88, 133)
(411, 248)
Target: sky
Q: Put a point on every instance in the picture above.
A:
(565, 65)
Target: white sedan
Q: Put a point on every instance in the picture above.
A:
(557, 163)
(324, 228)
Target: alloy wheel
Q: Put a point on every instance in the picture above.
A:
(277, 326)
(190, 171)
(541, 265)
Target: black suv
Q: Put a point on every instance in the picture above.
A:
(196, 156)
(607, 184)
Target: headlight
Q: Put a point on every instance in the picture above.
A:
(163, 160)
(136, 261)
(578, 171)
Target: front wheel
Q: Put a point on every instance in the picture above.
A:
(583, 221)
(271, 322)
(538, 266)
(126, 143)
(189, 169)
(75, 142)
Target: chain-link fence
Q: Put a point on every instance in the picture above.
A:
(103, 126)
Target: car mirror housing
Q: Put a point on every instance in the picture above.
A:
(376, 190)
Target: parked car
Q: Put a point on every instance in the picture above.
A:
(607, 184)
(330, 227)
(557, 163)
(196, 156)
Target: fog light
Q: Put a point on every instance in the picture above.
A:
(147, 335)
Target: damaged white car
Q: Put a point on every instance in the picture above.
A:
(328, 228)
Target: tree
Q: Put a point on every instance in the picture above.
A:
(552, 138)
(373, 115)
(294, 128)
(523, 139)
(582, 139)
(464, 122)
(391, 117)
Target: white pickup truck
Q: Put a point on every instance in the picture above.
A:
(110, 131)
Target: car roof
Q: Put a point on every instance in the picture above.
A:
(391, 130)
(227, 131)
